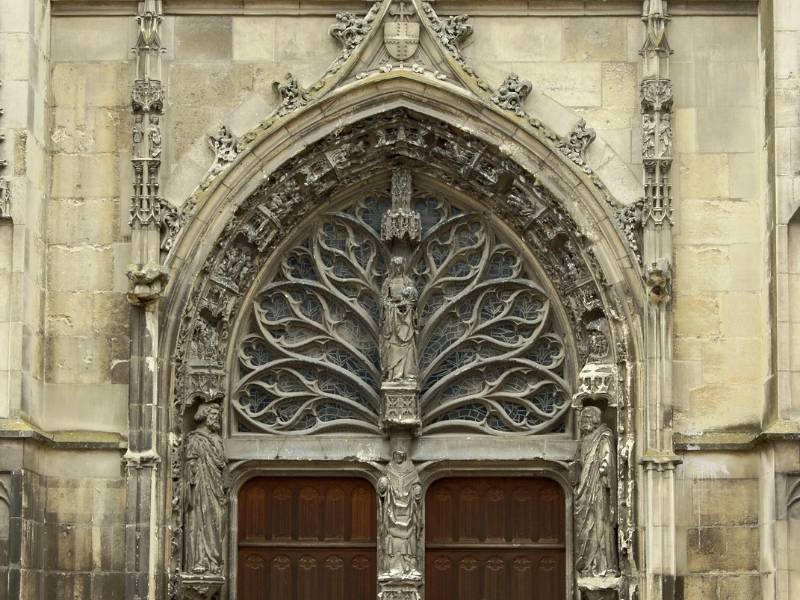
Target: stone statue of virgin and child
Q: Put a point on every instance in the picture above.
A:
(399, 324)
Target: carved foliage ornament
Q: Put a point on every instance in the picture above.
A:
(575, 144)
(512, 93)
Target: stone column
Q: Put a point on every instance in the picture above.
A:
(658, 459)
(147, 278)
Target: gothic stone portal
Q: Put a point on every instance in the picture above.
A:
(404, 311)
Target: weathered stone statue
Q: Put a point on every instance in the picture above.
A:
(399, 324)
(595, 498)
(205, 493)
(400, 494)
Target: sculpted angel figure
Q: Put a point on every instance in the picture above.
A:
(596, 498)
(205, 494)
(400, 494)
(399, 324)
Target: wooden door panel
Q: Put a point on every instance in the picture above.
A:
(307, 539)
(495, 539)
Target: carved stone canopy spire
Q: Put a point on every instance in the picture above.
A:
(400, 221)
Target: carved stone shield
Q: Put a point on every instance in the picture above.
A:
(401, 39)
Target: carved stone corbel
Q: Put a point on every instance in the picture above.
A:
(658, 278)
(146, 283)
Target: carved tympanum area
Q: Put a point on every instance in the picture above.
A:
(453, 311)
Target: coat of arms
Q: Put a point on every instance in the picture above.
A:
(401, 37)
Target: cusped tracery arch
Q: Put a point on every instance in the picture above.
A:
(490, 348)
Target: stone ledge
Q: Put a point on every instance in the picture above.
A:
(736, 440)
(622, 8)
(62, 440)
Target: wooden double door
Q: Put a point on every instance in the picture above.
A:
(485, 539)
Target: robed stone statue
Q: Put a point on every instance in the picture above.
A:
(399, 324)
(400, 494)
(595, 498)
(205, 493)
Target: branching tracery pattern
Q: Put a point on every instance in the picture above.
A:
(489, 357)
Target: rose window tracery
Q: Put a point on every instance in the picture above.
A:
(487, 352)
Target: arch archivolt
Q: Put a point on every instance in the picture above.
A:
(294, 172)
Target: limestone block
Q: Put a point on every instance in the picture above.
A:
(519, 40)
(16, 57)
(67, 314)
(15, 93)
(683, 83)
(595, 39)
(86, 39)
(717, 38)
(16, 16)
(69, 501)
(787, 102)
(723, 549)
(717, 222)
(620, 85)
(747, 274)
(310, 44)
(696, 316)
(740, 587)
(68, 547)
(76, 221)
(66, 584)
(702, 269)
(786, 15)
(203, 38)
(744, 181)
(110, 314)
(720, 406)
(68, 85)
(725, 84)
(86, 268)
(705, 465)
(739, 314)
(107, 84)
(686, 376)
(571, 84)
(703, 175)
(729, 130)
(699, 587)
(787, 57)
(108, 586)
(724, 502)
(687, 348)
(254, 38)
(77, 359)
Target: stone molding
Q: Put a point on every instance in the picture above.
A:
(554, 8)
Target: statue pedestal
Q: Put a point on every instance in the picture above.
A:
(600, 588)
(200, 587)
(393, 588)
(400, 405)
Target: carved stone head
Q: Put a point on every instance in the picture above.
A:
(590, 419)
(399, 456)
(210, 415)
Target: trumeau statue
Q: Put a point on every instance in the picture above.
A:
(595, 498)
(205, 493)
(399, 324)
(400, 494)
